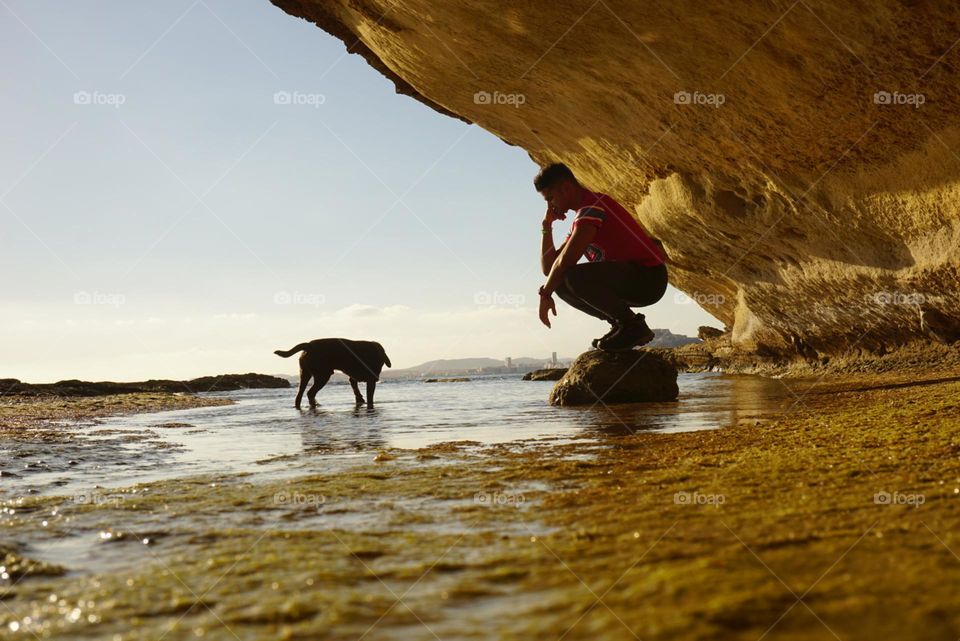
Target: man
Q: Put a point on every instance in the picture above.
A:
(626, 267)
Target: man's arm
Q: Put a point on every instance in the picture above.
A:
(548, 253)
(569, 254)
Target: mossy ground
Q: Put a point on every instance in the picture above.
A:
(781, 530)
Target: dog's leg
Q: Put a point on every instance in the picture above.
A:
(319, 381)
(356, 391)
(304, 379)
(371, 386)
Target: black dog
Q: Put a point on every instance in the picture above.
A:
(360, 360)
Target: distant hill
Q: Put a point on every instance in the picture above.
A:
(666, 338)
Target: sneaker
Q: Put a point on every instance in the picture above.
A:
(629, 335)
(614, 326)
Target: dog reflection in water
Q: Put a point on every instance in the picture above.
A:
(359, 360)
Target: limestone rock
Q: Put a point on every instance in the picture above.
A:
(797, 160)
(627, 376)
(548, 374)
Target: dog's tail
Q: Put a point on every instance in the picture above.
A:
(386, 359)
(291, 352)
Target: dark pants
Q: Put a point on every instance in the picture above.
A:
(607, 290)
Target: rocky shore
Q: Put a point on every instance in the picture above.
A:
(43, 413)
(38, 406)
(720, 354)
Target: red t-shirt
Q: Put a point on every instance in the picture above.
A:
(619, 236)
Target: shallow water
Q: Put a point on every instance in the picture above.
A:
(263, 434)
(260, 493)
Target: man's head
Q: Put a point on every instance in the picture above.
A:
(559, 187)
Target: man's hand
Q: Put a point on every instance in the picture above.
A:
(551, 216)
(547, 305)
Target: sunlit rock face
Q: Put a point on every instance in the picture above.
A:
(799, 160)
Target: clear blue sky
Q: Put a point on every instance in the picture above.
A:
(164, 216)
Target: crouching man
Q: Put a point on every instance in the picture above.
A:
(626, 267)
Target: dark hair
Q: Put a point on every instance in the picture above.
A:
(553, 174)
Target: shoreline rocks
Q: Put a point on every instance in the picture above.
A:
(73, 387)
(547, 374)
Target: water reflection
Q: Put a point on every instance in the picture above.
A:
(706, 402)
(324, 431)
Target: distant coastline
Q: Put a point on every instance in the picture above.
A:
(73, 387)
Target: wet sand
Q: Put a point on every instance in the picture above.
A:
(837, 518)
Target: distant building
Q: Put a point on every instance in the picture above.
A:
(509, 362)
(553, 359)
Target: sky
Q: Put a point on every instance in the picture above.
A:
(187, 186)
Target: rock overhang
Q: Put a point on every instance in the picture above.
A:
(797, 159)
